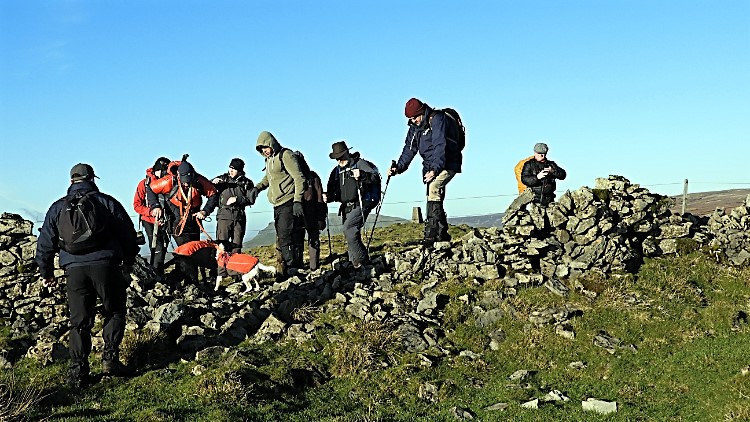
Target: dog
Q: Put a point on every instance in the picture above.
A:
(191, 256)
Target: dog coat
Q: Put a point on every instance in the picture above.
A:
(239, 262)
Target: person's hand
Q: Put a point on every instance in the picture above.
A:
(542, 174)
(355, 174)
(200, 215)
(325, 198)
(126, 270)
(157, 213)
(231, 200)
(392, 171)
(48, 281)
(321, 224)
(429, 176)
(216, 180)
(252, 196)
(297, 209)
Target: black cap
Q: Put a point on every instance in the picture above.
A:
(82, 171)
(161, 164)
(237, 164)
(186, 172)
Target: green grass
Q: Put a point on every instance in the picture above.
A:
(679, 313)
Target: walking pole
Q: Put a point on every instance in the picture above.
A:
(328, 229)
(380, 205)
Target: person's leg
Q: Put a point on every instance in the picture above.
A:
(284, 223)
(353, 223)
(81, 305)
(110, 286)
(437, 227)
(223, 229)
(238, 233)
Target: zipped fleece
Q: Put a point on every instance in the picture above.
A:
(285, 181)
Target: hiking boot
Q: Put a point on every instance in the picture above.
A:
(115, 368)
(111, 365)
(78, 376)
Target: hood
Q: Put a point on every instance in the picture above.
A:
(83, 187)
(266, 139)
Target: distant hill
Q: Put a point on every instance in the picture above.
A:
(487, 220)
(704, 203)
(267, 236)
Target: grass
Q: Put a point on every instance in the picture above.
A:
(681, 314)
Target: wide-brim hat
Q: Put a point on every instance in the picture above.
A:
(339, 150)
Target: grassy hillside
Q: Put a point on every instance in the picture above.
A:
(669, 344)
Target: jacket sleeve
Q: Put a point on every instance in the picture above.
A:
(367, 173)
(557, 171)
(212, 198)
(46, 244)
(411, 146)
(436, 159)
(528, 177)
(292, 168)
(158, 187)
(332, 187)
(242, 199)
(139, 200)
(125, 230)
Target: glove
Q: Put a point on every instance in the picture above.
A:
(127, 270)
(321, 224)
(297, 209)
(252, 196)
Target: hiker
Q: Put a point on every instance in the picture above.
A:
(141, 206)
(351, 183)
(540, 173)
(286, 184)
(95, 264)
(314, 210)
(183, 187)
(435, 135)
(233, 187)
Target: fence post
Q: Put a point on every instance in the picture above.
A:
(684, 196)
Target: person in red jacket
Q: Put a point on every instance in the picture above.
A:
(141, 206)
(184, 190)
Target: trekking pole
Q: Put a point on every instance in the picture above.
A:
(362, 212)
(154, 240)
(328, 229)
(380, 205)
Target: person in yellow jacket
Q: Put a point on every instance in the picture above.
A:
(286, 184)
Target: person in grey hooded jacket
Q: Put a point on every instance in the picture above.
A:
(286, 184)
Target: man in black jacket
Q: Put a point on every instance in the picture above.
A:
(349, 183)
(539, 175)
(99, 269)
(233, 187)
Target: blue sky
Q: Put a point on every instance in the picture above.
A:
(656, 91)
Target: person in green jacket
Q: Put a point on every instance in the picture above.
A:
(286, 184)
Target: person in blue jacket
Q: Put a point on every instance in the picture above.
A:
(96, 270)
(433, 135)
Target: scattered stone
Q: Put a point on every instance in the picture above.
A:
(599, 406)
(496, 406)
(531, 404)
(460, 413)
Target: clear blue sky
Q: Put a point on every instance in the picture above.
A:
(657, 91)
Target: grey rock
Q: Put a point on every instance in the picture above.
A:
(599, 406)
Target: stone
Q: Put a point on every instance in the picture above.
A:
(599, 406)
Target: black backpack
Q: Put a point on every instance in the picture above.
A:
(82, 224)
(371, 192)
(453, 114)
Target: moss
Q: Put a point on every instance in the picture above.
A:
(686, 245)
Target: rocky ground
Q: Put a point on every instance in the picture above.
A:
(607, 230)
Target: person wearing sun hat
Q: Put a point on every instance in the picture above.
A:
(432, 134)
(539, 174)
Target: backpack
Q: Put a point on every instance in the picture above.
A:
(82, 224)
(453, 114)
(371, 191)
(312, 179)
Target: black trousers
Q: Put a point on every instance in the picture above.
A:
(353, 220)
(85, 284)
(161, 245)
(189, 233)
(290, 234)
(232, 231)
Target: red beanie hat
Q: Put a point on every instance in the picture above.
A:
(414, 108)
